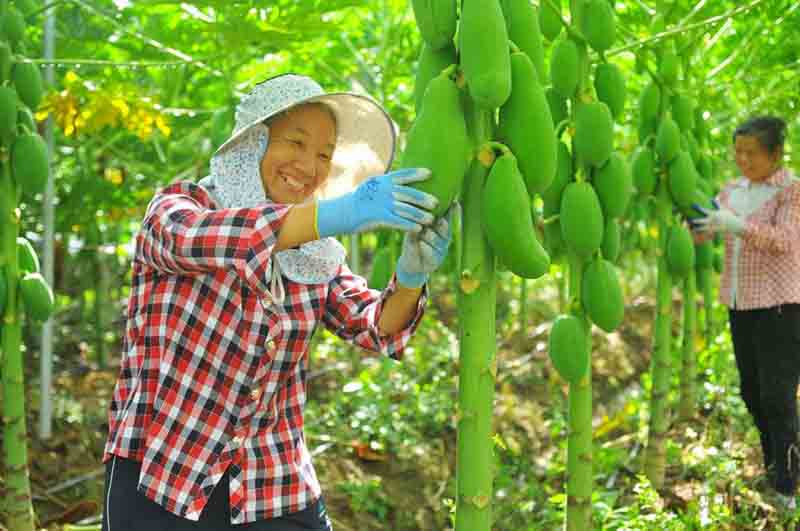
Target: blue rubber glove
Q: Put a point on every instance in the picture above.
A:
(379, 202)
(424, 252)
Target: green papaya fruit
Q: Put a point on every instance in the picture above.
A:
(507, 220)
(719, 261)
(614, 186)
(704, 167)
(682, 180)
(522, 25)
(27, 259)
(8, 115)
(550, 21)
(382, 268)
(29, 163)
(647, 128)
(551, 196)
(6, 62)
(558, 105)
(683, 113)
(644, 171)
(484, 53)
(568, 347)
(649, 102)
(609, 84)
(438, 141)
(525, 125)
(594, 133)
(680, 251)
(28, 82)
(13, 24)
(581, 218)
(601, 295)
(598, 25)
(612, 237)
(668, 140)
(436, 20)
(704, 255)
(565, 67)
(430, 64)
(669, 65)
(36, 296)
(692, 148)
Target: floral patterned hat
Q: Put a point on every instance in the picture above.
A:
(366, 135)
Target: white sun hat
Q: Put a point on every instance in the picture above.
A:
(366, 136)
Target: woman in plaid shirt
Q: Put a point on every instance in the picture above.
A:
(759, 215)
(231, 277)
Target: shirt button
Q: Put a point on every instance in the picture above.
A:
(238, 440)
(270, 344)
(255, 394)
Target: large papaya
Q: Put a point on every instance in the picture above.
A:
(484, 52)
(13, 25)
(610, 87)
(669, 65)
(581, 219)
(526, 126)
(522, 24)
(668, 140)
(36, 296)
(594, 133)
(8, 115)
(568, 346)
(29, 164)
(550, 21)
(28, 82)
(507, 220)
(438, 141)
(683, 113)
(644, 171)
(565, 67)
(649, 102)
(436, 20)
(598, 25)
(680, 251)
(614, 186)
(682, 180)
(601, 295)
(430, 64)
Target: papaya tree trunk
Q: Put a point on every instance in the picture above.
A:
(478, 365)
(579, 441)
(18, 506)
(687, 406)
(655, 454)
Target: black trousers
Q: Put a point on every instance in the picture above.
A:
(766, 343)
(129, 510)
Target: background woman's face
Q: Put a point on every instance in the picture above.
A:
(753, 159)
(298, 159)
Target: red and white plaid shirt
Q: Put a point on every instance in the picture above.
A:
(762, 264)
(213, 376)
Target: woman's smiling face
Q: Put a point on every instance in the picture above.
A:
(298, 159)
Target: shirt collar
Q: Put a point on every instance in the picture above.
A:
(778, 178)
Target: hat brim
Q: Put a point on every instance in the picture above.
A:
(366, 136)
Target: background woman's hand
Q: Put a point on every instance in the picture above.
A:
(379, 202)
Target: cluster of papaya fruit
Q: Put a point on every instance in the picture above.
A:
(20, 143)
(593, 184)
(498, 64)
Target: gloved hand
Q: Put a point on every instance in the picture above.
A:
(424, 252)
(717, 219)
(379, 202)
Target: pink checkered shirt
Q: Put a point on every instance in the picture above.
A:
(767, 272)
(212, 375)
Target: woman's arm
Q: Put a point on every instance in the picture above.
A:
(299, 226)
(399, 309)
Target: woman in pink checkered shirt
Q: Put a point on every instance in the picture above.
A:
(759, 216)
